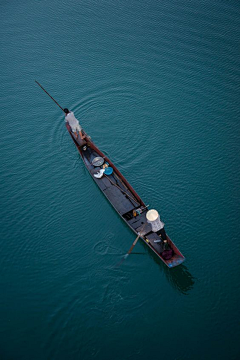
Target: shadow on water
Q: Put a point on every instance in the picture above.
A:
(138, 253)
(179, 277)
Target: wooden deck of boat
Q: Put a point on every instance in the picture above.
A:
(120, 201)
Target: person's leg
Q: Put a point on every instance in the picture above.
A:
(163, 234)
(81, 135)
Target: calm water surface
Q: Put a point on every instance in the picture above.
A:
(156, 85)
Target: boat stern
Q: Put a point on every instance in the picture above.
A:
(175, 261)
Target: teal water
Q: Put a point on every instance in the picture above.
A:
(156, 85)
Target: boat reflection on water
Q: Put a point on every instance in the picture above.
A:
(179, 277)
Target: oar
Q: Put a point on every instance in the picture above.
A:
(131, 248)
(133, 244)
(129, 251)
(49, 95)
(135, 241)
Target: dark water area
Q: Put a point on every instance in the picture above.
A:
(156, 84)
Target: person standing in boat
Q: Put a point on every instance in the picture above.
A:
(162, 231)
(157, 225)
(74, 123)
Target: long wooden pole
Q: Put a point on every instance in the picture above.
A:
(140, 233)
(130, 197)
(133, 244)
(129, 251)
(49, 95)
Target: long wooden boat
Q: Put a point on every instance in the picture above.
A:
(125, 200)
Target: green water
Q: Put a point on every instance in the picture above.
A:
(156, 86)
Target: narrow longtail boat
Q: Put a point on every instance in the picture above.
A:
(124, 198)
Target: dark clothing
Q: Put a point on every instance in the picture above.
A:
(162, 233)
(167, 254)
(166, 246)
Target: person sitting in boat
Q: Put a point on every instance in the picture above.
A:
(74, 123)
